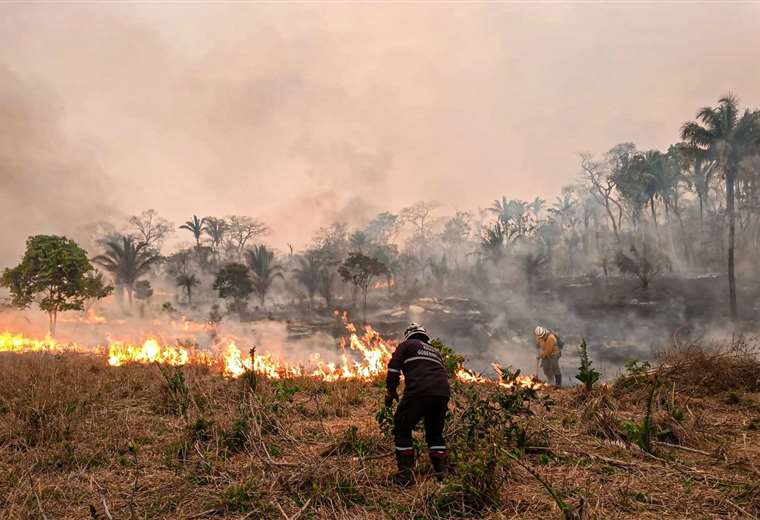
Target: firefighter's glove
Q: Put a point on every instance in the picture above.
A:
(389, 398)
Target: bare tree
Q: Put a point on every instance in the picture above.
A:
(603, 188)
(418, 216)
(150, 228)
(242, 229)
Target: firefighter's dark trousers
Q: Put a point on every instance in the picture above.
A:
(409, 412)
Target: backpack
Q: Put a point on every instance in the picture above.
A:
(560, 342)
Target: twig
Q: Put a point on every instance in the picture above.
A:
(375, 457)
(300, 511)
(749, 515)
(202, 514)
(281, 511)
(39, 504)
(105, 508)
(684, 448)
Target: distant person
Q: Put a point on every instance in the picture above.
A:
(549, 351)
(426, 395)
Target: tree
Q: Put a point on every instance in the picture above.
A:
(635, 182)
(143, 292)
(187, 282)
(440, 271)
(508, 210)
(727, 137)
(358, 241)
(56, 274)
(418, 215)
(493, 241)
(699, 167)
(456, 232)
(150, 228)
(382, 228)
(644, 262)
(215, 228)
(359, 270)
(242, 229)
(536, 206)
(599, 175)
(308, 274)
(127, 261)
(327, 282)
(195, 226)
(513, 216)
(264, 270)
(234, 284)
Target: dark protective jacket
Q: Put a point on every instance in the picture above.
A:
(422, 366)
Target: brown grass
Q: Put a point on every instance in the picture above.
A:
(76, 435)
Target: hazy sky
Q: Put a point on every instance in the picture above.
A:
(303, 114)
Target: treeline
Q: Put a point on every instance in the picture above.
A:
(693, 207)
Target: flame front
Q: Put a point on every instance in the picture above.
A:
(363, 357)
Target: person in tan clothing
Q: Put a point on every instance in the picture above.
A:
(549, 351)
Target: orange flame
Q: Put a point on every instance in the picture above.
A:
(363, 357)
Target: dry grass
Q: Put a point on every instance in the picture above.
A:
(80, 440)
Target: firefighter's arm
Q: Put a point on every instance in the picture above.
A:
(393, 378)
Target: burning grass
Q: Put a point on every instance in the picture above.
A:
(82, 440)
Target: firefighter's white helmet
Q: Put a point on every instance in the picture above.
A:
(415, 329)
(540, 332)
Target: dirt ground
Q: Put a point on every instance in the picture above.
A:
(81, 440)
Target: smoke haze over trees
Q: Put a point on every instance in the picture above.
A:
(358, 114)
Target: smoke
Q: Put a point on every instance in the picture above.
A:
(301, 114)
(50, 185)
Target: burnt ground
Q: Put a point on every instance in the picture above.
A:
(81, 440)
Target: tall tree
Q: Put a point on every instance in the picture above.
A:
(215, 228)
(699, 168)
(383, 227)
(308, 275)
(727, 136)
(536, 206)
(127, 261)
(264, 270)
(242, 229)
(56, 274)
(187, 282)
(195, 226)
(150, 228)
(234, 284)
(358, 241)
(359, 270)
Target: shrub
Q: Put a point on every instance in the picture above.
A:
(586, 375)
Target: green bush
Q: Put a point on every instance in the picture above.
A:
(586, 375)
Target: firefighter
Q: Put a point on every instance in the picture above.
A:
(549, 348)
(426, 396)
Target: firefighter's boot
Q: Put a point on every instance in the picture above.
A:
(405, 462)
(558, 380)
(440, 461)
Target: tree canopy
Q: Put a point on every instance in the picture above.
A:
(56, 273)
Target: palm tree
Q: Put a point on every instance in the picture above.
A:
(536, 206)
(726, 136)
(564, 208)
(127, 260)
(195, 226)
(187, 282)
(653, 165)
(264, 270)
(698, 176)
(507, 210)
(358, 241)
(215, 228)
(308, 274)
